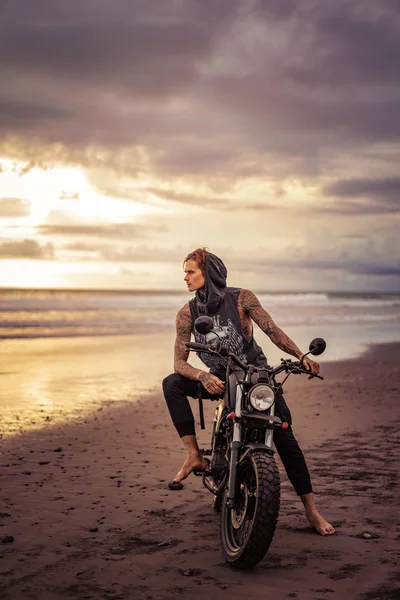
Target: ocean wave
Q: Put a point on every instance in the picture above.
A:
(37, 329)
(59, 314)
(312, 300)
(117, 302)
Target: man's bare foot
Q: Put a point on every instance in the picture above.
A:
(191, 464)
(317, 522)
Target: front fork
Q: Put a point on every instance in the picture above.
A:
(237, 446)
(269, 434)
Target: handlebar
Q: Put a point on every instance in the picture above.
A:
(295, 367)
(204, 348)
(286, 365)
(198, 347)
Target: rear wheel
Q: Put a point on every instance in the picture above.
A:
(248, 528)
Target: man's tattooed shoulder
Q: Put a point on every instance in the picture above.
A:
(184, 320)
(247, 300)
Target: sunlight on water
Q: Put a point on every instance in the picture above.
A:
(65, 355)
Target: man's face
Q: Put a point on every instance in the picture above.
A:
(194, 277)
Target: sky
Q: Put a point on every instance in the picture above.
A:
(134, 131)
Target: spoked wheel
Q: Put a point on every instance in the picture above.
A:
(247, 529)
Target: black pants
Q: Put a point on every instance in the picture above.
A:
(177, 388)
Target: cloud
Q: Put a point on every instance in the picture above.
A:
(207, 89)
(14, 207)
(26, 249)
(69, 196)
(112, 231)
(361, 208)
(383, 195)
(349, 188)
(321, 266)
(190, 199)
(356, 255)
(81, 247)
(207, 111)
(209, 201)
(127, 253)
(373, 255)
(378, 270)
(17, 114)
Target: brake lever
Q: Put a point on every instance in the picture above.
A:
(312, 375)
(301, 369)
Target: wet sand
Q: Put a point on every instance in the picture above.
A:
(90, 516)
(48, 381)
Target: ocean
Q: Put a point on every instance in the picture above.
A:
(64, 355)
(349, 319)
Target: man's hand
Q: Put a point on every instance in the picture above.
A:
(212, 383)
(310, 365)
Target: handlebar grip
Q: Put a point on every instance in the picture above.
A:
(299, 368)
(197, 346)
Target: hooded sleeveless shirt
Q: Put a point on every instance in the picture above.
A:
(228, 326)
(221, 304)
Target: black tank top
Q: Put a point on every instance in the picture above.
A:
(228, 325)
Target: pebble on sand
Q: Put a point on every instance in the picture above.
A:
(367, 535)
(7, 539)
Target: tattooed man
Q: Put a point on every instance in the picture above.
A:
(232, 310)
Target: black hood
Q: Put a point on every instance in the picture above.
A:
(215, 287)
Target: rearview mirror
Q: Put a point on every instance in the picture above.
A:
(204, 325)
(317, 346)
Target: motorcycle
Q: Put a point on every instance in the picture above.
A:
(242, 474)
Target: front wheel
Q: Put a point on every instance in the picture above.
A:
(248, 528)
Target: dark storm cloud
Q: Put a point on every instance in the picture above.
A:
(26, 249)
(383, 196)
(355, 45)
(205, 87)
(147, 48)
(350, 188)
(14, 207)
(17, 114)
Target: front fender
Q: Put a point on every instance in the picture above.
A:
(254, 446)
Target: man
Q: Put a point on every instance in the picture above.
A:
(233, 309)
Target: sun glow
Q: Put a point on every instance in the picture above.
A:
(65, 191)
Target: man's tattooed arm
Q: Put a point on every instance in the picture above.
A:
(251, 305)
(181, 353)
(181, 366)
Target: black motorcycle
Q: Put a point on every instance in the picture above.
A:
(242, 474)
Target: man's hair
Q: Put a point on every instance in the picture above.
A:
(200, 256)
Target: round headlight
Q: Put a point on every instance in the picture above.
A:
(261, 397)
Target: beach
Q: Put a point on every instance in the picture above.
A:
(86, 513)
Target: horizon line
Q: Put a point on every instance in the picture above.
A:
(179, 291)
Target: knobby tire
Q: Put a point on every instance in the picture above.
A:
(263, 501)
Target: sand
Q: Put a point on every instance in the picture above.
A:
(90, 516)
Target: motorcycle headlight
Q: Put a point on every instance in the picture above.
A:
(261, 397)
